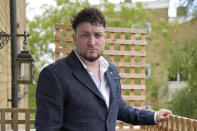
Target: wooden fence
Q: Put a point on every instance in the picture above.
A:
(10, 116)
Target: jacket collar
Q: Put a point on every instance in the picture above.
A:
(81, 74)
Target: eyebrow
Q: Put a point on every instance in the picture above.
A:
(94, 32)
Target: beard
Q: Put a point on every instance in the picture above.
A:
(91, 57)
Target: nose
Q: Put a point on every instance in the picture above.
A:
(92, 40)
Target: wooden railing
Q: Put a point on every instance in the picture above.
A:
(15, 117)
(11, 117)
(174, 123)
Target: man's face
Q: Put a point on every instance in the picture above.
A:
(89, 41)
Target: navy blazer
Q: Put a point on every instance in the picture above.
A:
(68, 100)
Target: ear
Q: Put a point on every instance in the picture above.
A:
(105, 36)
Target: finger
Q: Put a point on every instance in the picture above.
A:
(167, 114)
(164, 118)
(166, 111)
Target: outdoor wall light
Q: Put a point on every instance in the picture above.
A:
(24, 69)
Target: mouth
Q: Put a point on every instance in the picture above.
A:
(92, 49)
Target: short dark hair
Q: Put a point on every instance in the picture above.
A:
(92, 15)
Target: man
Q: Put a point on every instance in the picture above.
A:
(82, 92)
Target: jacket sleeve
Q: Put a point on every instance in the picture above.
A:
(49, 100)
(135, 116)
(132, 115)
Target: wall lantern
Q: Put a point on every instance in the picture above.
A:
(24, 69)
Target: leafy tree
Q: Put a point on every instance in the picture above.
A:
(184, 103)
(186, 7)
(183, 59)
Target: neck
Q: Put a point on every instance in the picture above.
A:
(93, 66)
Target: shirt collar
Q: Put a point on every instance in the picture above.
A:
(102, 61)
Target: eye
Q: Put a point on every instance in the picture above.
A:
(84, 35)
(98, 35)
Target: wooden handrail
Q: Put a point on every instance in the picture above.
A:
(175, 123)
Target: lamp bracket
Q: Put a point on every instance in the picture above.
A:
(4, 38)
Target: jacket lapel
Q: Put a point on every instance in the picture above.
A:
(82, 75)
(111, 76)
(111, 85)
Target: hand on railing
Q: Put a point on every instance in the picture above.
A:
(162, 115)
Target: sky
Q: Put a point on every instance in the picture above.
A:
(33, 7)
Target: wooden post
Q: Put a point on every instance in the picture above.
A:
(15, 119)
(27, 120)
(3, 124)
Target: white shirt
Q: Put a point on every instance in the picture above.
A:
(101, 84)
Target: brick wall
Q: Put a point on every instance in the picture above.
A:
(5, 52)
(5, 56)
(187, 30)
(21, 22)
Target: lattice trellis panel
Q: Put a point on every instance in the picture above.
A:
(126, 48)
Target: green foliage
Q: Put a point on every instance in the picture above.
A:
(181, 11)
(183, 59)
(31, 95)
(154, 88)
(184, 103)
(187, 7)
(157, 107)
